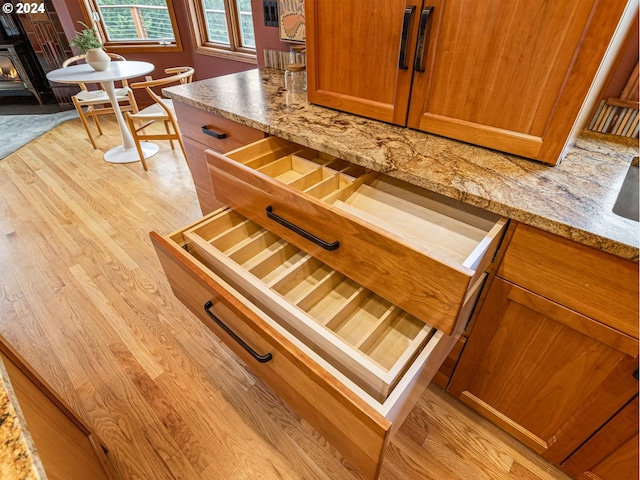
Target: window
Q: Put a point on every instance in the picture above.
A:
(224, 28)
(143, 25)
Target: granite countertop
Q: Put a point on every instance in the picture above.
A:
(573, 200)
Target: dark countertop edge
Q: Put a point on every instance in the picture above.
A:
(585, 237)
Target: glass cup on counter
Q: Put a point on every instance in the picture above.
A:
(295, 78)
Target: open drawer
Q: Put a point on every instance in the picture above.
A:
(413, 247)
(350, 363)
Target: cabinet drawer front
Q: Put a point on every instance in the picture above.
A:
(348, 423)
(205, 127)
(415, 248)
(594, 283)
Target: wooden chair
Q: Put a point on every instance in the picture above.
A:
(97, 102)
(161, 110)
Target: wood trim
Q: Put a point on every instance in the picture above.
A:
(90, 6)
(358, 106)
(620, 102)
(580, 323)
(484, 135)
(101, 453)
(204, 46)
(504, 422)
(35, 380)
(630, 90)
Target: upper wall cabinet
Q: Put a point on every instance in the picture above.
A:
(519, 77)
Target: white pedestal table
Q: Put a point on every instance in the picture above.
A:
(118, 70)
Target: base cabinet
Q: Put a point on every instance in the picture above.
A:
(320, 321)
(65, 448)
(550, 375)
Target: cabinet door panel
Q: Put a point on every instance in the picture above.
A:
(497, 70)
(531, 364)
(612, 453)
(353, 51)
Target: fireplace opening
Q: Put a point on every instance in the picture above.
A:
(8, 72)
(14, 74)
(30, 46)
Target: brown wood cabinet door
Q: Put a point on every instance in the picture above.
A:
(544, 373)
(511, 75)
(612, 453)
(354, 55)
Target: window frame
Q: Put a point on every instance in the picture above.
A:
(202, 44)
(91, 6)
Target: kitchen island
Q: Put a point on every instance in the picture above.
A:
(562, 288)
(573, 200)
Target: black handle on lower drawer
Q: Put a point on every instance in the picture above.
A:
(260, 358)
(303, 233)
(212, 133)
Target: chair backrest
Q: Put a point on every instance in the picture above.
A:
(78, 58)
(179, 75)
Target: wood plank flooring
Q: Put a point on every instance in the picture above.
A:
(84, 300)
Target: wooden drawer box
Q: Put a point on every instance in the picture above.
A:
(574, 275)
(228, 270)
(417, 249)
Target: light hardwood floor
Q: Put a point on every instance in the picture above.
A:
(84, 300)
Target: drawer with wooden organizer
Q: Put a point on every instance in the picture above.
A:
(348, 361)
(418, 249)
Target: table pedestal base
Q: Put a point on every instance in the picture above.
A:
(121, 155)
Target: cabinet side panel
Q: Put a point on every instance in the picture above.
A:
(65, 450)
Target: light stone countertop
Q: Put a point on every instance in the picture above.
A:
(573, 200)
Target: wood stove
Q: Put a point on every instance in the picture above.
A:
(29, 47)
(17, 69)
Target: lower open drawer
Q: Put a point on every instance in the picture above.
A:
(362, 335)
(346, 360)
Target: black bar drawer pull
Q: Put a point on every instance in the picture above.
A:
(212, 133)
(260, 358)
(303, 233)
(423, 36)
(404, 39)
